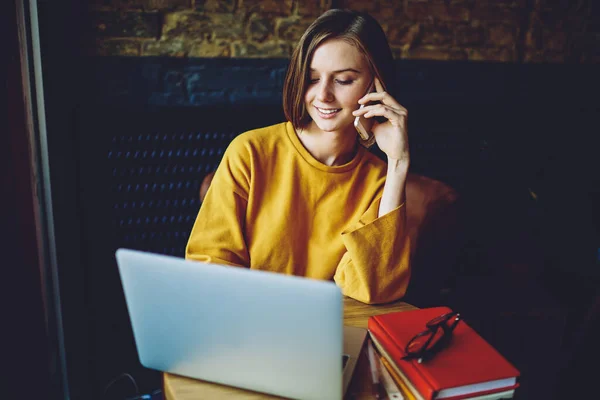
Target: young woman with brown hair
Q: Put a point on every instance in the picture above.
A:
(305, 197)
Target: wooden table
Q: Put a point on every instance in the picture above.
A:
(355, 314)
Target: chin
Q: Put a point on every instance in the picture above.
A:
(333, 126)
(328, 127)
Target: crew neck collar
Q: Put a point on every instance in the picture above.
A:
(291, 132)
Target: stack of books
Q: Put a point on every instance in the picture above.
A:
(468, 368)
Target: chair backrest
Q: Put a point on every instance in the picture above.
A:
(427, 201)
(434, 226)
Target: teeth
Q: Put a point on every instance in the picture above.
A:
(327, 111)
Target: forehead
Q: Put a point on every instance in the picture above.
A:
(337, 54)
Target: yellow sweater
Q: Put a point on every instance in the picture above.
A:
(273, 206)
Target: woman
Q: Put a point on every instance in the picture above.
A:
(305, 197)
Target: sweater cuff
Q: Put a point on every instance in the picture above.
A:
(372, 215)
(199, 257)
(204, 258)
(376, 267)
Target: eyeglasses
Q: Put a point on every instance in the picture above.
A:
(424, 345)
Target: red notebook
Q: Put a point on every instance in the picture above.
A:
(468, 367)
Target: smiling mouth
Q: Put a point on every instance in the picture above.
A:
(328, 111)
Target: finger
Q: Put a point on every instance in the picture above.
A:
(376, 107)
(366, 109)
(383, 97)
(388, 113)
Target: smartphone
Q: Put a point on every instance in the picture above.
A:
(363, 125)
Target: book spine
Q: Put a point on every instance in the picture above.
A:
(397, 372)
(403, 386)
(411, 372)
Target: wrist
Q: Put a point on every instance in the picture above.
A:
(398, 164)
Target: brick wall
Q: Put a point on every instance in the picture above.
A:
(554, 31)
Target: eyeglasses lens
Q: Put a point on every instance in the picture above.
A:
(442, 319)
(425, 340)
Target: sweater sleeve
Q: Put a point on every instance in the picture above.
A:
(376, 266)
(218, 233)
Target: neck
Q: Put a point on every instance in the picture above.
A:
(329, 147)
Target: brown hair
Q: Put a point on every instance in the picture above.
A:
(358, 29)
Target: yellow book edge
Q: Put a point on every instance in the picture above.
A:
(406, 386)
(399, 381)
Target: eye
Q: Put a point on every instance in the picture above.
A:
(314, 80)
(345, 82)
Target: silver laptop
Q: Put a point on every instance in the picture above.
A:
(256, 330)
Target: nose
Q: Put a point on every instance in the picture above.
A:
(324, 92)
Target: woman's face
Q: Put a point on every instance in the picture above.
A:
(339, 75)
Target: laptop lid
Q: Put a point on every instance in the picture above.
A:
(251, 329)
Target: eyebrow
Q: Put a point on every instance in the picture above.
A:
(340, 70)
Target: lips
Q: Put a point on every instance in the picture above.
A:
(327, 113)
